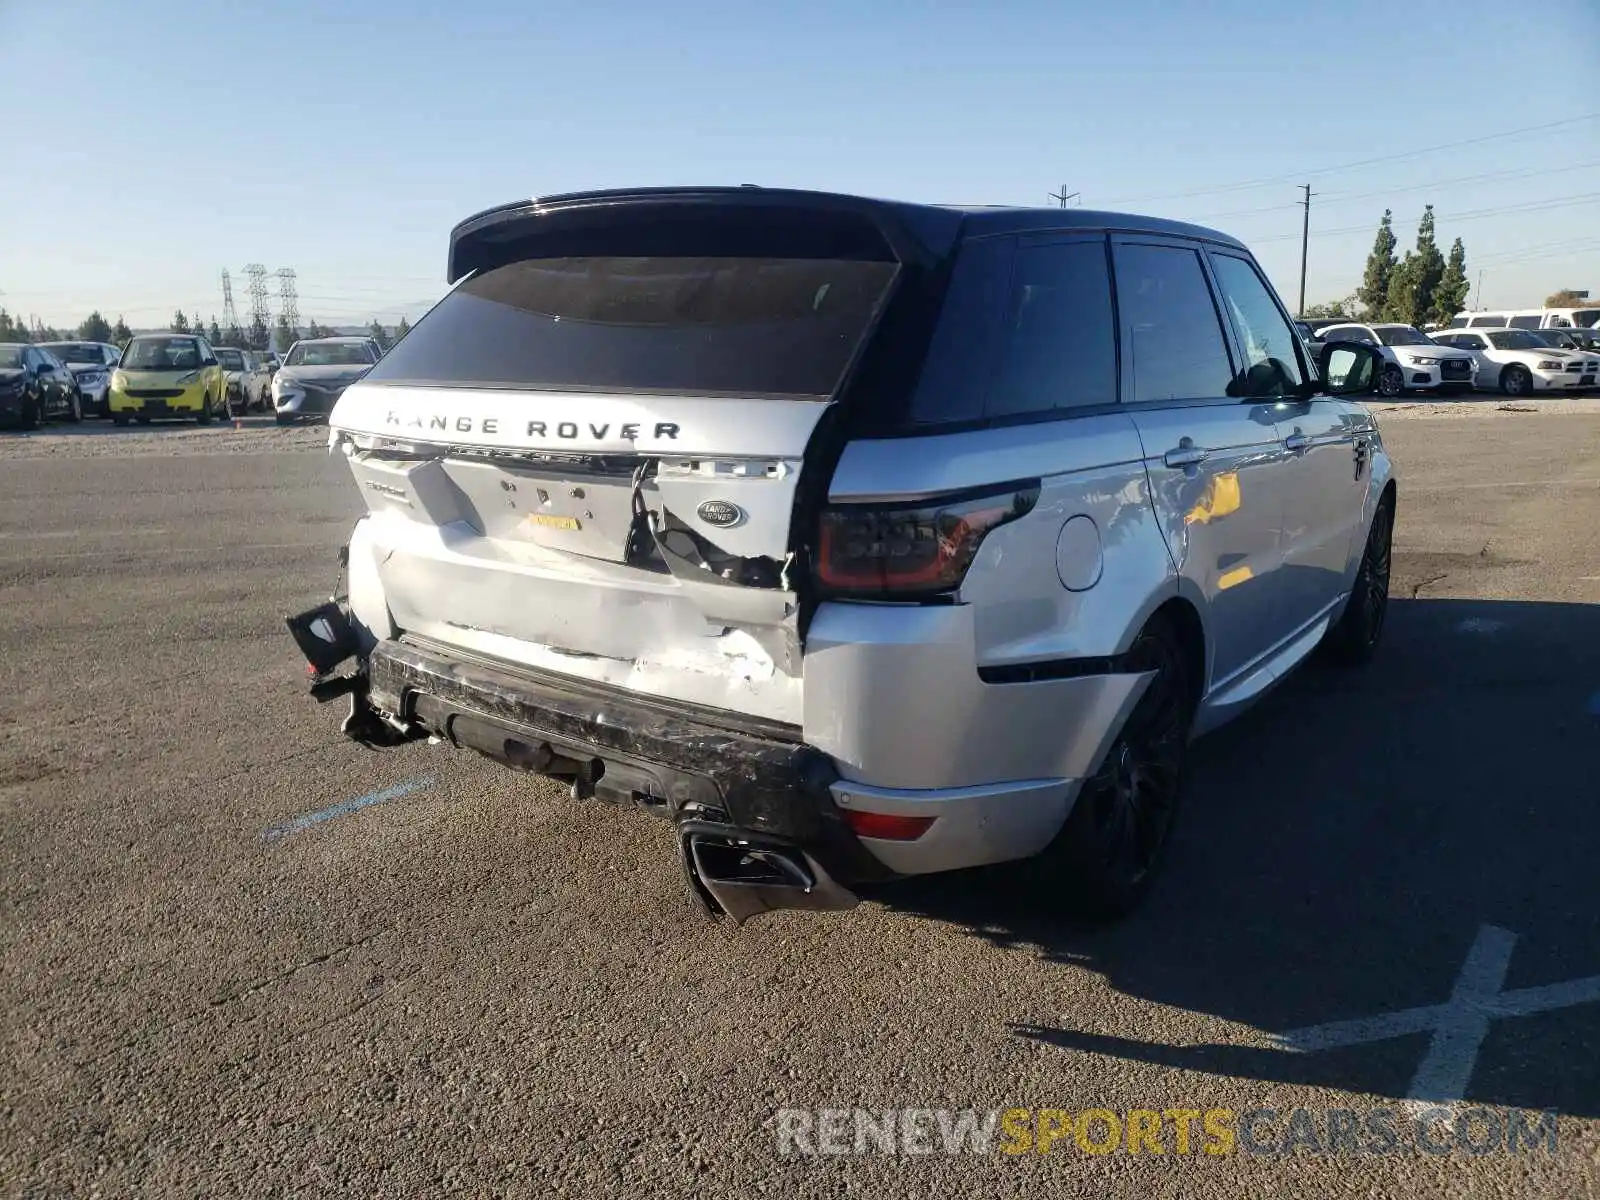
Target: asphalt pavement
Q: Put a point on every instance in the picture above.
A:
(243, 956)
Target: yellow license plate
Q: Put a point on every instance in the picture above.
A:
(550, 521)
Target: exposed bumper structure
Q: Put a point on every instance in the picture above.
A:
(757, 825)
(764, 820)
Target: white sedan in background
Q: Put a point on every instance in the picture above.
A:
(1414, 361)
(1520, 361)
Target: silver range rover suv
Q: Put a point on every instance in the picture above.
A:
(858, 539)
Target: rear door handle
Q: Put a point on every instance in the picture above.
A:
(1296, 442)
(1185, 456)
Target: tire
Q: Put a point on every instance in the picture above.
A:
(119, 418)
(283, 419)
(30, 417)
(1353, 641)
(1391, 381)
(1107, 856)
(205, 415)
(1515, 381)
(75, 407)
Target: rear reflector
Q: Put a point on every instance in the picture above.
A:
(887, 826)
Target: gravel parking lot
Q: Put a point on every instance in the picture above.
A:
(476, 983)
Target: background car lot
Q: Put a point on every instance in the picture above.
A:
(481, 984)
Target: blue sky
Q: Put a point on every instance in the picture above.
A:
(149, 145)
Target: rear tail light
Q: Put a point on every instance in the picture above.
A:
(904, 551)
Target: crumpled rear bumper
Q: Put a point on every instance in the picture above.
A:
(707, 772)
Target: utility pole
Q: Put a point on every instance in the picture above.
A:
(1305, 244)
(1479, 298)
(1063, 196)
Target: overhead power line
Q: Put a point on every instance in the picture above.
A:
(1479, 214)
(1362, 162)
(1350, 197)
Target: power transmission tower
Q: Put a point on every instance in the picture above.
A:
(1305, 242)
(230, 315)
(259, 316)
(1063, 195)
(288, 301)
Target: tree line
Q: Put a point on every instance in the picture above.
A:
(1424, 287)
(257, 336)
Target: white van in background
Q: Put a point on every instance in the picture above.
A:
(1527, 318)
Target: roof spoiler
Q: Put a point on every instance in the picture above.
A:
(910, 233)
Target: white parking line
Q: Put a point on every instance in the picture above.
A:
(307, 820)
(155, 550)
(73, 533)
(1459, 1025)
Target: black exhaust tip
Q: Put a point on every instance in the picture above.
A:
(740, 877)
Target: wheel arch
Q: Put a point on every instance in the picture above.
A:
(1180, 612)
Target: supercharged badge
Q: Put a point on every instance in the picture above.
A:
(724, 514)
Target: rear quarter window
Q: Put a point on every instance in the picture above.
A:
(1026, 329)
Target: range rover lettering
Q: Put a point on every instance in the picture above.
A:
(857, 539)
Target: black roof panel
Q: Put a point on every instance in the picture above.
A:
(930, 225)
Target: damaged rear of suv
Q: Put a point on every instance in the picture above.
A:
(766, 511)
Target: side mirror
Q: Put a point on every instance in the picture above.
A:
(1349, 368)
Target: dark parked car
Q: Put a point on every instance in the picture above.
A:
(35, 385)
(91, 363)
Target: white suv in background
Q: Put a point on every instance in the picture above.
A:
(1519, 361)
(1413, 360)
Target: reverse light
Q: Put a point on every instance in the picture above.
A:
(887, 827)
(904, 551)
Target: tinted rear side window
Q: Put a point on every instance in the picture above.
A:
(1526, 321)
(1174, 334)
(1026, 329)
(1060, 340)
(701, 326)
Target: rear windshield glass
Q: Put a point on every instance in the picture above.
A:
(700, 326)
(78, 352)
(162, 354)
(329, 354)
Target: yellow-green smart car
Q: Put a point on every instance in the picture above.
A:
(167, 375)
